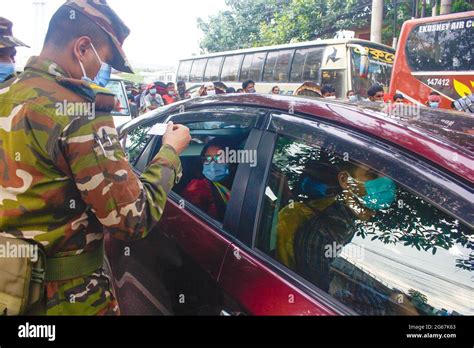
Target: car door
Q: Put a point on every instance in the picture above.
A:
(406, 259)
(175, 270)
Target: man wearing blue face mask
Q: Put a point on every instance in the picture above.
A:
(7, 50)
(364, 192)
(212, 192)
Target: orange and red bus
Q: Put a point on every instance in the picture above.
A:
(435, 54)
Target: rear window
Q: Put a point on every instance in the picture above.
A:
(443, 46)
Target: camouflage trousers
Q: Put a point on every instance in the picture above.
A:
(90, 295)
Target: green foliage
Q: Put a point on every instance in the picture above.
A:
(253, 23)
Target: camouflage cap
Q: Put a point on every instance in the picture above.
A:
(6, 35)
(99, 12)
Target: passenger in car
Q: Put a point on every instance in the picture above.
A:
(364, 192)
(212, 192)
(319, 186)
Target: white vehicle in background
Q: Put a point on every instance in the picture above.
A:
(123, 114)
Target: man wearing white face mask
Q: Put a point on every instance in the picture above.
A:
(7, 49)
(153, 100)
(328, 92)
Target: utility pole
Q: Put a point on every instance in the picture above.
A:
(445, 7)
(434, 11)
(376, 21)
(423, 8)
(395, 20)
(415, 9)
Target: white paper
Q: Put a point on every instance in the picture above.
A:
(158, 129)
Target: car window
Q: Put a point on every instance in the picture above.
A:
(210, 164)
(357, 233)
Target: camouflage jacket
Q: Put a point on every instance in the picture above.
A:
(60, 187)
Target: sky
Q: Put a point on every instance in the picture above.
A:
(162, 32)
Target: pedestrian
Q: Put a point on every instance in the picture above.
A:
(351, 96)
(152, 100)
(275, 90)
(398, 98)
(170, 96)
(8, 44)
(328, 92)
(230, 90)
(309, 89)
(183, 93)
(434, 100)
(240, 90)
(249, 86)
(376, 93)
(78, 183)
(207, 89)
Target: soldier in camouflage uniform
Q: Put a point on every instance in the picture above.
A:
(64, 179)
(7, 49)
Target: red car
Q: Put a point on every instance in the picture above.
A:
(334, 209)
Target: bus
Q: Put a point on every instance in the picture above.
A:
(435, 54)
(346, 64)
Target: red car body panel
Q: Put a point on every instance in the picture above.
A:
(245, 277)
(263, 292)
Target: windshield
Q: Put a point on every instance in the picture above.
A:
(380, 70)
(117, 88)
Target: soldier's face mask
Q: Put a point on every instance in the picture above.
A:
(6, 69)
(103, 76)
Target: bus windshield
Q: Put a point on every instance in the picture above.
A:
(380, 70)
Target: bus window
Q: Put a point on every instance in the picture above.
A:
(444, 46)
(183, 70)
(231, 67)
(335, 78)
(307, 64)
(197, 70)
(252, 66)
(276, 66)
(380, 70)
(212, 69)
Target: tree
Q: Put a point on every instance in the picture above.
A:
(256, 23)
(238, 27)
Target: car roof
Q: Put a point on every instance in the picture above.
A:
(443, 138)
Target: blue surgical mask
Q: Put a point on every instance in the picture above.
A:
(103, 76)
(434, 105)
(381, 193)
(215, 171)
(6, 69)
(353, 98)
(314, 189)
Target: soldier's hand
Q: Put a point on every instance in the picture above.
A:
(177, 136)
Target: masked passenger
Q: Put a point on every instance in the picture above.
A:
(212, 192)
(364, 192)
